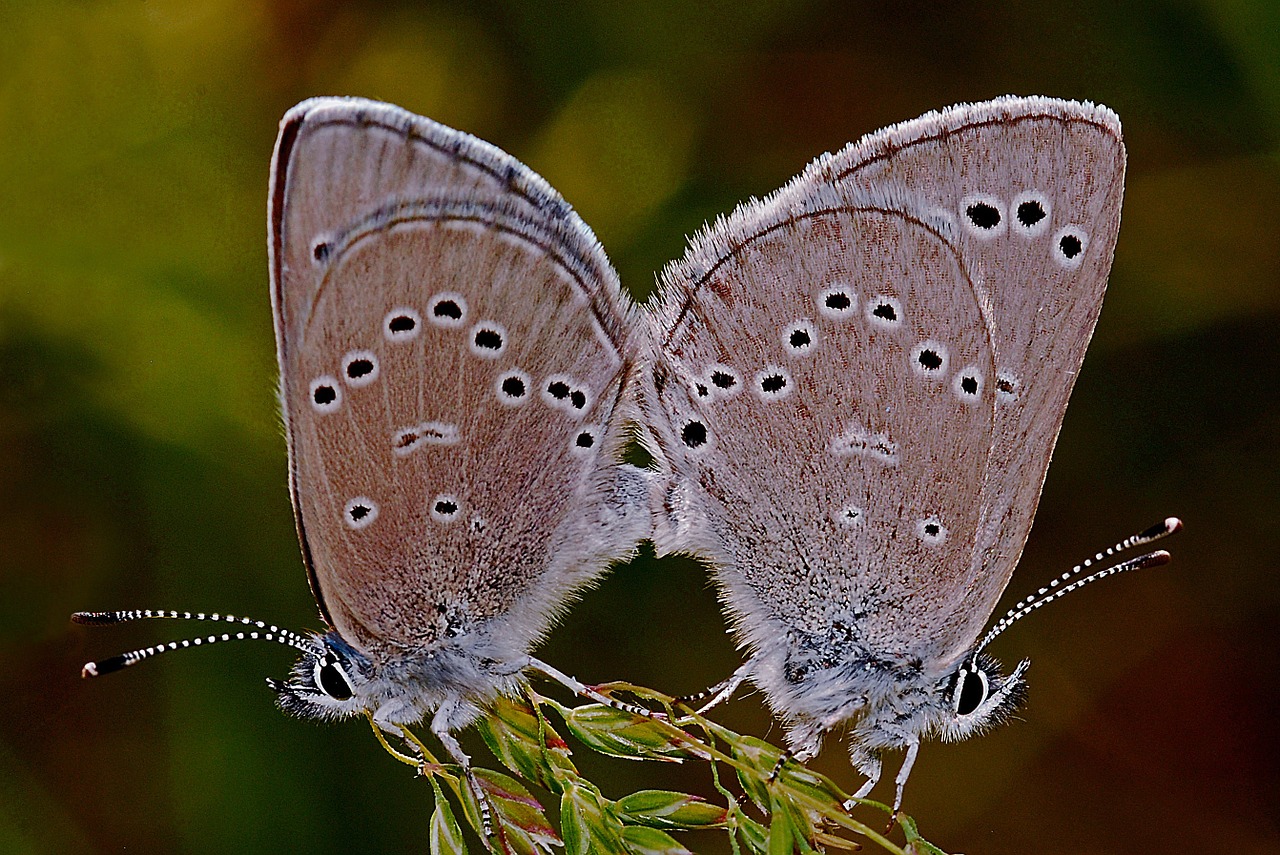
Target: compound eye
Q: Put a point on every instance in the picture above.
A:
(971, 691)
(333, 681)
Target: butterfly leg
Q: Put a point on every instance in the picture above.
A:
(801, 756)
(583, 690)
(386, 719)
(443, 723)
(804, 741)
(717, 694)
(869, 764)
(913, 748)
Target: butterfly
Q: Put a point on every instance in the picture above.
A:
(457, 366)
(857, 385)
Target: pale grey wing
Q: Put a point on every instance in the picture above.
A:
(1034, 186)
(452, 428)
(810, 396)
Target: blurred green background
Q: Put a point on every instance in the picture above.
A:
(142, 463)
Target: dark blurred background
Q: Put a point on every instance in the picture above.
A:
(142, 463)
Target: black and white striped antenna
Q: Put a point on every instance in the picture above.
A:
(1072, 580)
(259, 630)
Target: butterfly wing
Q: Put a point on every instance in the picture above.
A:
(807, 395)
(454, 354)
(887, 497)
(1035, 186)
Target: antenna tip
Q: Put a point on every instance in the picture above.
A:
(1159, 558)
(106, 666)
(1164, 528)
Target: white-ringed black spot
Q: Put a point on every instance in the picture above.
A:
(884, 311)
(1070, 248)
(584, 440)
(723, 380)
(701, 390)
(321, 250)
(1069, 245)
(983, 215)
(694, 434)
(325, 394)
(837, 302)
(563, 393)
(360, 368)
(931, 531)
(488, 339)
(445, 509)
(447, 310)
(1007, 384)
(773, 383)
(360, 512)
(929, 359)
(512, 387)
(967, 384)
(800, 338)
(401, 325)
(1031, 213)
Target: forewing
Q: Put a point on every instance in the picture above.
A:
(454, 351)
(1052, 173)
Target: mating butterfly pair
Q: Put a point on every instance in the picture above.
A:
(851, 390)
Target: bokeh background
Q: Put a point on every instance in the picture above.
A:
(142, 463)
